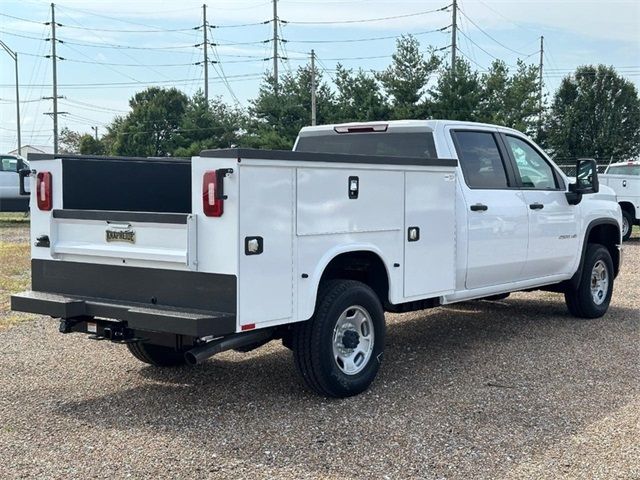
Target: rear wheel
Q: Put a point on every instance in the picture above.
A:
(627, 225)
(156, 355)
(338, 352)
(592, 297)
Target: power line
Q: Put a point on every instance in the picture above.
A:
(93, 29)
(482, 67)
(492, 38)
(370, 39)
(142, 65)
(221, 75)
(471, 40)
(90, 105)
(127, 47)
(21, 19)
(379, 19)
(237, 25)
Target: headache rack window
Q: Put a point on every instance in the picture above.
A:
(405, 144)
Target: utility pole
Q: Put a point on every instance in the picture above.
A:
(313, 87)
(95, 131)
(206, 57)
(14, 56)
(454, 35)
(54, 57)
(275, 43)
(540, 86)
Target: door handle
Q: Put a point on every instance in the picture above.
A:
(536, 206)
(478, 207)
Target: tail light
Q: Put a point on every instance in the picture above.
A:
(212, 195)
(43, 191)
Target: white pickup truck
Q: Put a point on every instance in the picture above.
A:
(10, 198)
(182, 259)
(624, 179)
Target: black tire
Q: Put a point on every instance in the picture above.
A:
(313, 340)
(156, 355)
(628, 218)
(580, 301)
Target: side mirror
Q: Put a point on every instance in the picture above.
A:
(586, 180)
(23, 173)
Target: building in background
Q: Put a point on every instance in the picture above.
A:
(26, 149)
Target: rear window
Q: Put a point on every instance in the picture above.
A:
(480, 159)
(418, 144)
(624, 170)
(8, 164)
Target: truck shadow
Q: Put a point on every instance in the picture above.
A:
(521, 372)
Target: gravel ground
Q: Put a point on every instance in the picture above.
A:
(509, 389)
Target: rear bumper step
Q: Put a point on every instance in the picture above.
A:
(193, 323)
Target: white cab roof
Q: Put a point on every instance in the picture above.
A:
(395, 125)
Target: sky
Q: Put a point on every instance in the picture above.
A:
(113, 48)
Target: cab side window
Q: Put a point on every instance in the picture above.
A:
(480, 159)
(533, 169)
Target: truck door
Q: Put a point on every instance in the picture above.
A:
(497, 218)
(553, 223)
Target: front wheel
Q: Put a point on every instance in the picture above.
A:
(627, 225)
(592, 297)
(338, 352)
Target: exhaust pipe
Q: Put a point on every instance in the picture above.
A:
(201, 353)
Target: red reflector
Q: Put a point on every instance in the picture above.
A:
(211, 204)
(43, 191)
(249, 326)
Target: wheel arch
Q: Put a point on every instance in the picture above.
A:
(629, 207)
(364, 263)
(604, 231)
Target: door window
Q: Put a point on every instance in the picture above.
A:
(534, 171)
(480, 159)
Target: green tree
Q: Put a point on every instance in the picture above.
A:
(405, 80)
(216, 125)
(358, 97)
(69, 141)
(456, 97)
(278, 116)
(494, 84)
(510, 100)
(595, 113)
(151, 127)
(91, 146)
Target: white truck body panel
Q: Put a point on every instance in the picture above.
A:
(310, 221)
(305, 217)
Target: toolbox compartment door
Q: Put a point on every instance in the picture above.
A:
(429, 260)
(266, 219)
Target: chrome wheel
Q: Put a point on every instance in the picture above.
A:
(625, 226)
(353, 339)
(599, 282)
